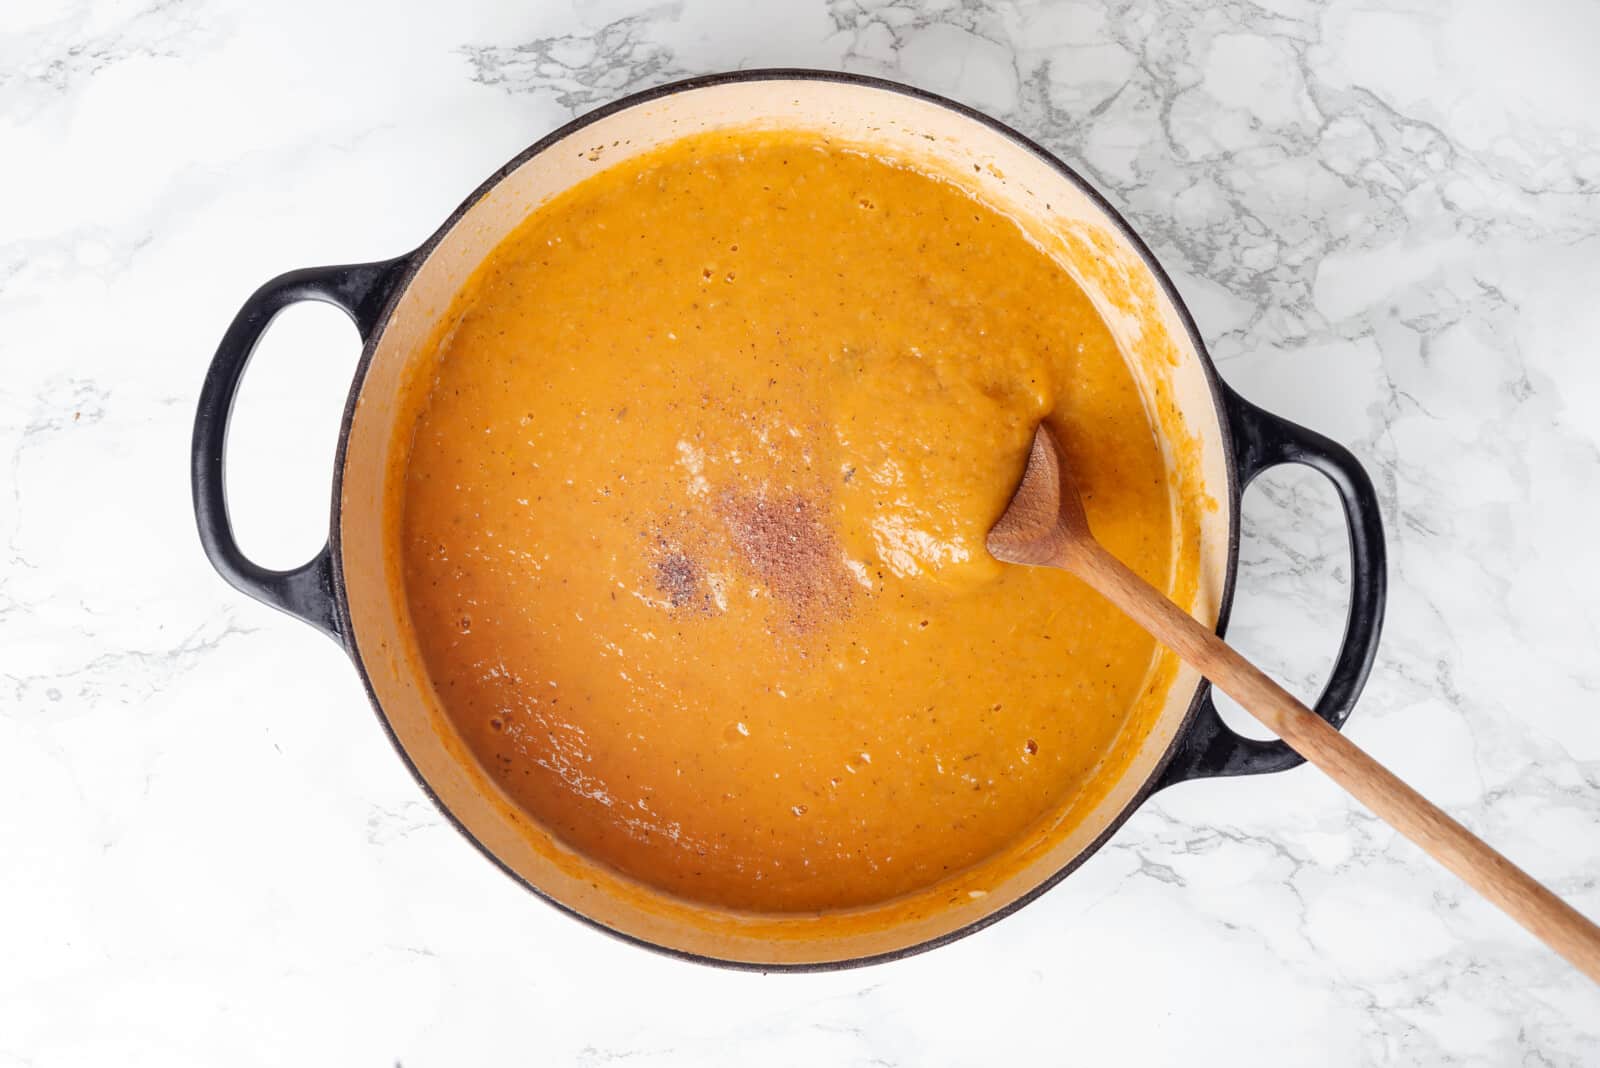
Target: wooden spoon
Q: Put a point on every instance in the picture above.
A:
(1045, 525)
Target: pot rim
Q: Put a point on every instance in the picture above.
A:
(411, 263)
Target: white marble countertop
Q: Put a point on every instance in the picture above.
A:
(1387, 220)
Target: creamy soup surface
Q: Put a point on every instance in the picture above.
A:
(694, 517)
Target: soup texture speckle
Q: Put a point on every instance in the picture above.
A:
(694, 514)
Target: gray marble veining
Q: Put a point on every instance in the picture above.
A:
(1386, 218)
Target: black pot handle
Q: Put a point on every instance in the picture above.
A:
(1262, 440)
(361, 290)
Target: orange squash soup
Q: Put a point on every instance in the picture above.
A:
(694, 518)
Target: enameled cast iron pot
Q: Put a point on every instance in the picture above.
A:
(346, 592)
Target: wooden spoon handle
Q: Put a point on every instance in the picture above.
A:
(1524, 899)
